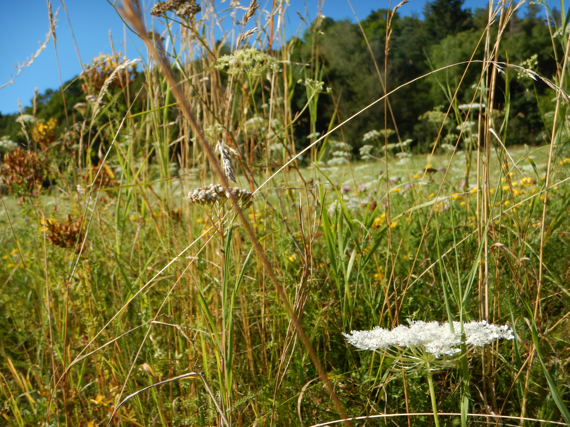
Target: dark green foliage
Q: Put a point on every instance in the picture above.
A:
(448, 34)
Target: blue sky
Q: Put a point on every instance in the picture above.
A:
(24, 23)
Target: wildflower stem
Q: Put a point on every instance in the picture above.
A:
(432, 395)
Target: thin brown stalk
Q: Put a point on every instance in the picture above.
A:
(132, 13)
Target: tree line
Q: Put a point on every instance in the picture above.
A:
(359, 62)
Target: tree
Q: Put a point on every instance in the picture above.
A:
(446, 17)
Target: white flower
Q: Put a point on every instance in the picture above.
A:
(432, 337)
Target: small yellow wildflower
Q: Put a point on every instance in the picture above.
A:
(199, 220)
(292, 258)
(14, 252)
(432, 195)
(416, 175)
(506, 188)
(456, 196)
(379, 276)
(379, 221)
(462, 204)
(492, 190)
(394, 224)
(474, 190)
(516, 192)
(507, 202)
(396, 190)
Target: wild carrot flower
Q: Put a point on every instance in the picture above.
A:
(431, 337)
(423, 343)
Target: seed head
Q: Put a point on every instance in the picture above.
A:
(214, 194)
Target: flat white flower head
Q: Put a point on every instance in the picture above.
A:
(431, 337)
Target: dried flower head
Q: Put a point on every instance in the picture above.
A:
(188, 10)
(168, 6)
(431, 337)
(65, 234)
(214, 195)
(100, 70)
(23, 171)
(227, 164)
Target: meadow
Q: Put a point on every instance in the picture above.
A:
(175, 255)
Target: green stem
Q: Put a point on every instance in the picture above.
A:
(432, 395)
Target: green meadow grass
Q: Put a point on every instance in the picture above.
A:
(123, 304)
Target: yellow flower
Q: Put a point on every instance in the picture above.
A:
(516, 192)
(416, 175)
(492, 190)
(14, 252)
(432, 195)
(506, 188)
(10, 266)
(199, 220)
(292, 258)
(99, 400)
(526, 181)
(394, 224)
(474, 190)
(456, 196)
(379, 221)
(5, 257)
(507, 202)
(462, 204)
(379, 276)
(396, 190)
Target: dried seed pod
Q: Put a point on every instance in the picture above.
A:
(226, 161)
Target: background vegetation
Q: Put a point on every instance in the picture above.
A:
(447, 200)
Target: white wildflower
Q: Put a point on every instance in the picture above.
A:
(25, 119)
(7, 145)
(432, 337)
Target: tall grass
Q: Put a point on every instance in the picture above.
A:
(158, 312)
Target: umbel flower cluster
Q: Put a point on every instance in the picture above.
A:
(183, 8)
(215, 194)
(432, 337)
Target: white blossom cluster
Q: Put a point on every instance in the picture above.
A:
(250, 61)
(433, 337)
(214, 193)
(26, 118)
(7, 145)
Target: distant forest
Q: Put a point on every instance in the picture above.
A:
(446, 33)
